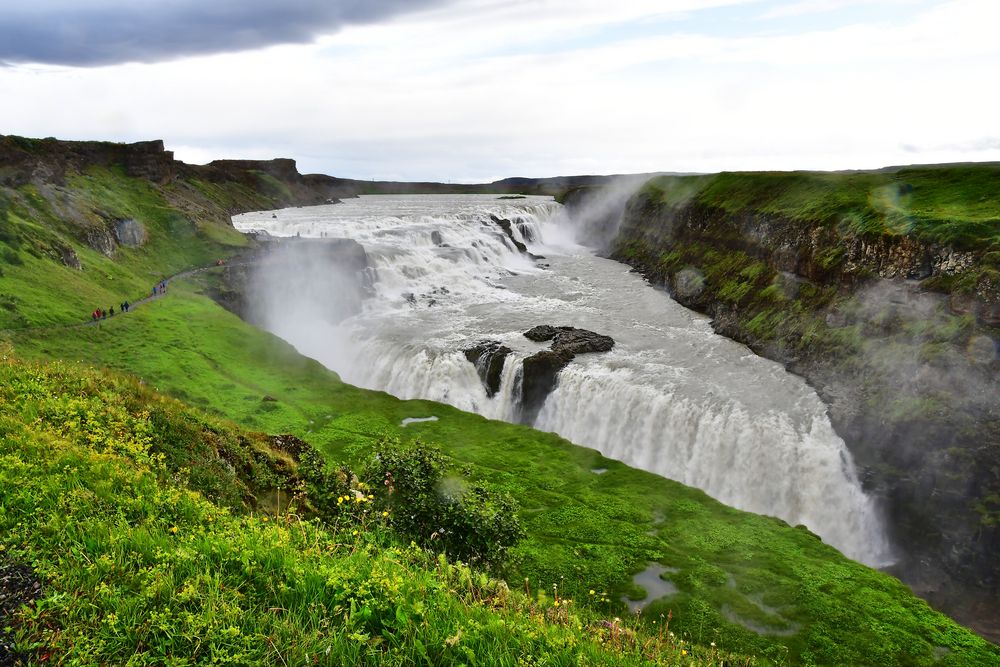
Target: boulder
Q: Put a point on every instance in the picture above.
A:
(570, 339)
(540, 371)
(100, 239)
(507, 228)
(130, 233)
(69, 257)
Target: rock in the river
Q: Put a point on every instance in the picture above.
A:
(507, 228)
(488, 357)
(540, 370)
(539, 374)
(570, 339)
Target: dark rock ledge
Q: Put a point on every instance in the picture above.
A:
(539, 372)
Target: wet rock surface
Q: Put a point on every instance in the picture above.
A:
(540, 371)
(488, 356)
(18, 586)
(570, 339)
(508, 229)
(540, 374)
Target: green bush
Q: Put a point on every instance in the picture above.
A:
(439, 509)
(11, 257)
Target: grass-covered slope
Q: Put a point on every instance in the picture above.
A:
(87, 500)
(952, 204)
(53, 264)
(751, 584)
(140, 569)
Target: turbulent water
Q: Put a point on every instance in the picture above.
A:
(672, 397)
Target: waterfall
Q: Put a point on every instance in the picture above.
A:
(672, 397)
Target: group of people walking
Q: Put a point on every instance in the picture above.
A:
(124, 307)
(101, 314)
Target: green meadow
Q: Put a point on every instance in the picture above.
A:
(117, 481)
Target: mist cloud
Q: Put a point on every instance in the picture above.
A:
(91, 33)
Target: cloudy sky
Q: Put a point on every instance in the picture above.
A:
(473, 90)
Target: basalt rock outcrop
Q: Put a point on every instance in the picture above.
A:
(265, 183)
(539, 373)
(130, 233)
(488, 357)
(49, 161)
(570, 339)
(508, 229)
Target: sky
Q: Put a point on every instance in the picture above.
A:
(476, 90)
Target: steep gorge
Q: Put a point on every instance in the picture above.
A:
(890, 312)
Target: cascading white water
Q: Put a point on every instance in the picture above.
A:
(672, 397)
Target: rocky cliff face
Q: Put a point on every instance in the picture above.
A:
(24, 161)
(73, 182)
(898, 335)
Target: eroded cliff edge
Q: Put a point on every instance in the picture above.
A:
(882, 289)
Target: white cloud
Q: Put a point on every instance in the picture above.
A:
(807, 7)
(482, 91)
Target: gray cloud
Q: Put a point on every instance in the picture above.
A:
(89, 33)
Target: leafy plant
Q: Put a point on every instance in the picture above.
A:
(440, 509)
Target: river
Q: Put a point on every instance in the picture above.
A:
(672, 397)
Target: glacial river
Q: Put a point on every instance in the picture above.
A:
(672, 397)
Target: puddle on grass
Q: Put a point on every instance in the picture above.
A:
(785, 627)
(790, 628)
(658, 518)
(415, 420)
(654, 584)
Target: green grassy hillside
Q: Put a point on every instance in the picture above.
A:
(148, 545)
(39, 225)
(139, 569)
(955, 204)
(585, 531)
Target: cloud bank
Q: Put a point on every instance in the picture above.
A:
(476, 90)
(91, 33)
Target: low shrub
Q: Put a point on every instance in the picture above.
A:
(438, 508)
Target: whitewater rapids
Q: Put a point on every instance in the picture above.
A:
(672, 397)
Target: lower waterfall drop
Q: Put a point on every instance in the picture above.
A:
(672, 397)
